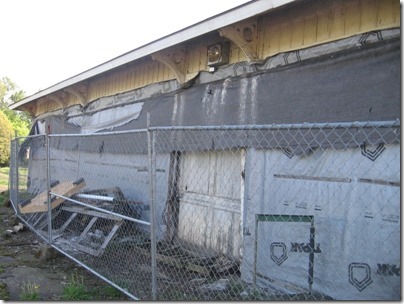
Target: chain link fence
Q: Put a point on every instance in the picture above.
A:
(274, 212)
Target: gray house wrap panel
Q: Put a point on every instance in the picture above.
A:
(361, 84)
(357, 85)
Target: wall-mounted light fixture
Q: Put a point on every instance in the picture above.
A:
(218, 54)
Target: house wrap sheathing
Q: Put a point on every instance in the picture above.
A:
(296, 62)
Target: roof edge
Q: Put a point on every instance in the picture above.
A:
(231, 16)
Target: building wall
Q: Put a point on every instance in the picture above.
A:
(317, 23)
(356, 222)
(300, 26)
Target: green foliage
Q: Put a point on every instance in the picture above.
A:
(111, 292)
(6, 131)
(9, 94)
(20, 121)
(11, 122)
(75, 290)
(29, 292)
(4, 193)
(4, 294)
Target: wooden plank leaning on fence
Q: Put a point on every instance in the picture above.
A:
(40, 202)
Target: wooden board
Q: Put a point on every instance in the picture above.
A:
(89, 246)
(40, 202)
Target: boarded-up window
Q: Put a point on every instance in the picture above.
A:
(210, 184)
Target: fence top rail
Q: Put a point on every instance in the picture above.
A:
(28, 137)
(338, 125)
(99, 134)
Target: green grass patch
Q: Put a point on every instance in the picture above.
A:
(75, 290)
(4, 294)
(29, 292)
(108, 293)
(4, 171)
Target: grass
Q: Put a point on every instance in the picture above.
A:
(4, 171)
(4, 176)
(4, 179)
(75, 290)
(107, 293)
(29, 292)
(4, 294)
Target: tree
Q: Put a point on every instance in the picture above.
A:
(11, 93)
(6, 131)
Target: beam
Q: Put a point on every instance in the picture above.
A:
(245, 36)
(175, 61)
(80, 92)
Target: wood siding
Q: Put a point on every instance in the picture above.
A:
(299, 26)
(210, 203)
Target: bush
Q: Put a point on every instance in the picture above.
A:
(6, 131)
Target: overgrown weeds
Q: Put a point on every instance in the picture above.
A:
(4, 294)
(30, 292)
(75, 290)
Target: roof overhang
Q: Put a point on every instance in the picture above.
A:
(234, 15)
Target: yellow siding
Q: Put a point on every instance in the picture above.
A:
(284, 30)
(193, 61)
(234, 54)
(71, 100)
(312, 24)
(353, 20)
(397, 12)
(368, 14)
(201, 59)
(297, 34)
(285, 37)
(273, 38)
(337, 22)
(385, 12)
(310, 30)
(322, 28)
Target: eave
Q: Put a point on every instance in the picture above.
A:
(217, 22)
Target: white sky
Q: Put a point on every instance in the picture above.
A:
(43, 42)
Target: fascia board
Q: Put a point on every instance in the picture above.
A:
(234, 15)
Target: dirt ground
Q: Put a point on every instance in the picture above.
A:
(21, 264)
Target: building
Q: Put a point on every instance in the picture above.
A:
(263, 63)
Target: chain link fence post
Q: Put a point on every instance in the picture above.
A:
(48, 187)
(152, 202)
(12, 184)
(17, 178)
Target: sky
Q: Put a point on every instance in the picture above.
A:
(43, 42)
